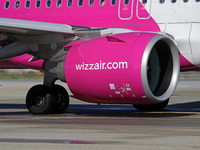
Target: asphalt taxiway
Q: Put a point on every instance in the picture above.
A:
(88, 126)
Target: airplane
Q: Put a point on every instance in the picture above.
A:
(107, 51)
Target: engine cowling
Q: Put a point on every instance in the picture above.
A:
(129, 68)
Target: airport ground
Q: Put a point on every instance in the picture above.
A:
(88, 126)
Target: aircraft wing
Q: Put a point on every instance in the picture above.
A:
(40, 39)
(32, 27)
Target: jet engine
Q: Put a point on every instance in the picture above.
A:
(130, 68)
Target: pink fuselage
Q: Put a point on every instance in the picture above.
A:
(106, 16)
(87, 16)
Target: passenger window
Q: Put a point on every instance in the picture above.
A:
(27, 4)
(113, 2)
(162, 1)
(48, 3)
(144, 1)
(69, 3)
(7, 4)
(91, 2)
(80, 2)
(59, 3)
(102, 2)
(17, 4)
(173, 1)
(37, 4)
(126, 2)
(185, 1)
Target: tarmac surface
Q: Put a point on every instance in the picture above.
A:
(101, 127)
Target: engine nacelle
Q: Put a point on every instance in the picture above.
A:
(129, 68)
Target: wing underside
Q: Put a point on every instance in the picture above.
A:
(40, 39)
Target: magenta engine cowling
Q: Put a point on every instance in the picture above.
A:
(129, 68)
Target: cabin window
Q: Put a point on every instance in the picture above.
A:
(162, 1)
(144, 1)
(27, 4)
(7, 4)
(185, 1)
(38, 3)
(69, 3)
(126, 2)
(48, 3)
(173, 1)
(17, 4)
(80, 2)
(91, 2)
(113, 2)
(102, 2)
(59, 3)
